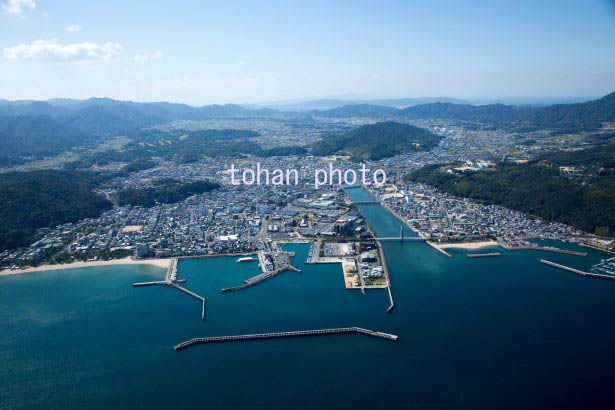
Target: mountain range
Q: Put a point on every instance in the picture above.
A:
(30, 128)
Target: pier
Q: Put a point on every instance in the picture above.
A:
(483, 255)
(577, 271)
(297, 333)
(171, 281)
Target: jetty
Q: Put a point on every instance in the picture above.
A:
(385, 268)
(577, 271)
(433, 245)
(172, 281)
(297, 333)
(483, 255)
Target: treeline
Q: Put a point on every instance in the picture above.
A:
(537, 188)
(167, 191)
(38, 199)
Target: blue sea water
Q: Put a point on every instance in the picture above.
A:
(492, 333)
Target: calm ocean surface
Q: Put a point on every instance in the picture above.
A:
(493, 333)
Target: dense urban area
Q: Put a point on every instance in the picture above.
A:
(174, 196)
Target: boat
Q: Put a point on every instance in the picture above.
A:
(245, 259)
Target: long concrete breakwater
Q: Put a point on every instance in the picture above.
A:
(577, 271)
(297, 333)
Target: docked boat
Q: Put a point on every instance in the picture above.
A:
(245, 259)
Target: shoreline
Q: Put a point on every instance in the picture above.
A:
(465, 245)
(161, 263)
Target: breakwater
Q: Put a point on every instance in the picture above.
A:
(483, 255)
(540, 248)
(296, 333)
(577, 271)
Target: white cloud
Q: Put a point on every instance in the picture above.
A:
(18, 6)
(146, 58)
(73, 28)
(52, 50)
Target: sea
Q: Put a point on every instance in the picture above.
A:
(489, 333)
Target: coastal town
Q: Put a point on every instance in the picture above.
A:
(246, 218)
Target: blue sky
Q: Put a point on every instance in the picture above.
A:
(202, 52)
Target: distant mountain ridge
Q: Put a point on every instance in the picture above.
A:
(57, 124)
(330, 103)
(360, 110)
(101, 116)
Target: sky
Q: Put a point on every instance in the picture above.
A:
(203, 52)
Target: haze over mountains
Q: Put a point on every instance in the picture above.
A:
(328, 103)
(31, 128)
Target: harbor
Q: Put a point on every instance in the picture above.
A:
(271, 263)
(433, 298)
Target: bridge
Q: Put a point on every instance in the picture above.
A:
(398, 238)
(401, 237)
(297, 333)
(365, 202)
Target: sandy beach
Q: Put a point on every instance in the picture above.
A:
(163, 263)
(466, 245)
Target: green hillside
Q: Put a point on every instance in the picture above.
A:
(584, 199)
(377, 141)
(38, 199)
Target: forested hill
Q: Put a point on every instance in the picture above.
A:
(467, 112)
(568, 117)
(582, 196)
(376, 141)
(167, 191)
(38, 199)
(27, 136)
(584, 116)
